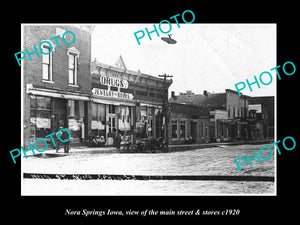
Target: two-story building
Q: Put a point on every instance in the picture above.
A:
(188, 123)
(228, 112)
(56, 86)
(264, 106)
(126, 102)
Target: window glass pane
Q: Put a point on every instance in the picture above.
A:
(42, 103)
(71, 76)
(102, 113)
(71, 61)
(111, 108)
(182, 129)
(40, 118)
(94, 111)
(174, 129)
(81, 108)
(71, 104)
(45, 72)
(46, 58)
(32, 101)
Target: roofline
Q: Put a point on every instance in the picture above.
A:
(117, 69)
(242, 95)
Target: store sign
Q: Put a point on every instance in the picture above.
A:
(111, 94)
(113, 81)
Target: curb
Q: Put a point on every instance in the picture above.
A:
(172, 148)
(146, 177)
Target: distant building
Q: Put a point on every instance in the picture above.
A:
(228, 112)
(188, 124)
(265, 111)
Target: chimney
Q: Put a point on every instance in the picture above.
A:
(173, 94)
(205, 93)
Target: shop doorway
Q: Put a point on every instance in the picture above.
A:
(59, 120)
(59, 116)
(112, 129)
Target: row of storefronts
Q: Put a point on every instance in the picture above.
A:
(97, 102)
(107, 111)
(231, 117)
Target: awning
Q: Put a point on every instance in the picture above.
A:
(112, 101)
(56, 94)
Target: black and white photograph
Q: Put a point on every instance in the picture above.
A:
(168, 114)
(148, 116)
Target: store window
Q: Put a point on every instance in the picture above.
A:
(141, 123)
(112, 109)
(174, 129)
(75, 120)
(40, 114)
(182, 129)
(124, 123)
(124, 118)
(98, 120)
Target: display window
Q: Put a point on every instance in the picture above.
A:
(76, 120)
(98, 120)
(40, 114)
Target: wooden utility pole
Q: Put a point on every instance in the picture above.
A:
(165, 107)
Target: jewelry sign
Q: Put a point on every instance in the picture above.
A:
(112, 94)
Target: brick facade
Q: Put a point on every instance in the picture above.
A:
(56, 90)
(188, 121)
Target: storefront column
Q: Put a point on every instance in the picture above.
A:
(133, 113)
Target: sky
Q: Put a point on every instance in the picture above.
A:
(211, 57)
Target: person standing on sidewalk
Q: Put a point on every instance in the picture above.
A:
(118, 140)
(62, 136)
(65, 136)
(57, 140)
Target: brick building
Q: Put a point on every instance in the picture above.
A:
(265, 114)
(56, 85)
(228, 112)
(188, 122)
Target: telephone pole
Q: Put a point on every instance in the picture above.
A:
(165, 107)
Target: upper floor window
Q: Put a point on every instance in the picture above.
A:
(73, 54)
(72, 69)
(47, 64)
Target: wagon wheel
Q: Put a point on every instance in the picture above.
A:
(133, 148)
(165, 148)
(146, 148)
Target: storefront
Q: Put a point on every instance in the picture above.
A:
(124, 103)
(50, 110)
(47, 114)
(188, 122)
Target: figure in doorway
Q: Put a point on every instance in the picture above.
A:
(63, 135)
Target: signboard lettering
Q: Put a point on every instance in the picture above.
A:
(113, 81)
(111, 94)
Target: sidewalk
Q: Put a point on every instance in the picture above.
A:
(172, 148)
